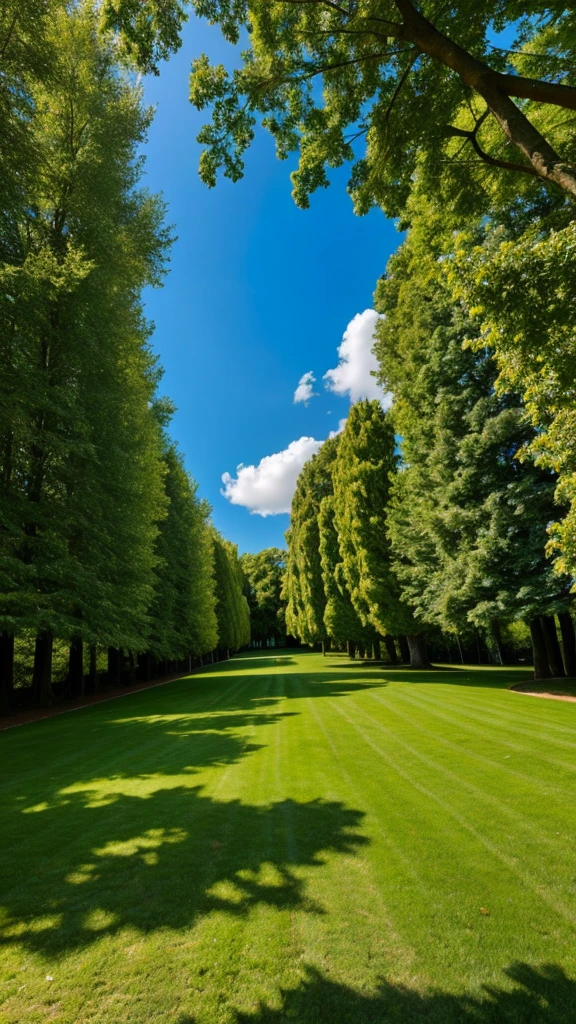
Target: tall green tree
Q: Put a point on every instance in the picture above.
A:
(303, 588)
(468, 520)
(363, 476)
(521, 291)
(263, 581)
(342, 622)
(26, 57)
(182, 614)
(232, 612)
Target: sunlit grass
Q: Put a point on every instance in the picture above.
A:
(291, 837)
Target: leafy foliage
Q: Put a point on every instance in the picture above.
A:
(263, 581)
(303, 588)
(469, 519)
(363, 476)
(522, 291)
(232, 612)
(426, 88)
(341, 619)
(102, 536)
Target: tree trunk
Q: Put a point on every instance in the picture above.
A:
(93, 681)
(42, 677)
(376, 650)
(478, 648)
(391, 649)
(568, 642)
(144, 666)
(460, 651)
(75, 683)
(404, 649)
(552, 646)
(6, 671)
(417, 648)
(326, 646)
(497, 637)
(113, 667)
(351, 648)
(541, 666)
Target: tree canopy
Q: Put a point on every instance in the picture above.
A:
(469, 519)
(423, 87)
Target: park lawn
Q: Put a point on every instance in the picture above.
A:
(291, 838)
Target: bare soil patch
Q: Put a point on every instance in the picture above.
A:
(533, 690)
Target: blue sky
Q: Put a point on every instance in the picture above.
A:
(258, 293)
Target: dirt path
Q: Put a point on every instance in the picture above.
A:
(522, 688)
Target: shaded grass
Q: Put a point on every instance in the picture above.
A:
(288, 837)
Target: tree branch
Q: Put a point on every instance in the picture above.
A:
(492, 161)
(496, 90)
(537, 90)
(401, 82)
(9, 35)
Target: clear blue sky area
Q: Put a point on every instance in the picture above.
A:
(258, 293)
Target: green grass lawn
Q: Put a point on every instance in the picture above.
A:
(287, 838)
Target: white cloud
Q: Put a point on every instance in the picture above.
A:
(267, 489)
(341, 425)
(305, 390)
(356, 360)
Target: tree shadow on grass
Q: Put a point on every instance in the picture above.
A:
(541, 994)
(493, 677)
(98, 859)
(244, 662)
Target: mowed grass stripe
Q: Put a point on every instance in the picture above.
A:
(454, 713)
(351, 908)
(493, 772)
(499, 804)
(438, 897)
(500, 734)
(501, 704)
(279, 839)
(507, 859)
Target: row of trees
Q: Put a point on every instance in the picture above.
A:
(475, 524)
(425, 103)
(472, 514)
(104, 543)
(340, 583)
(447, 540)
